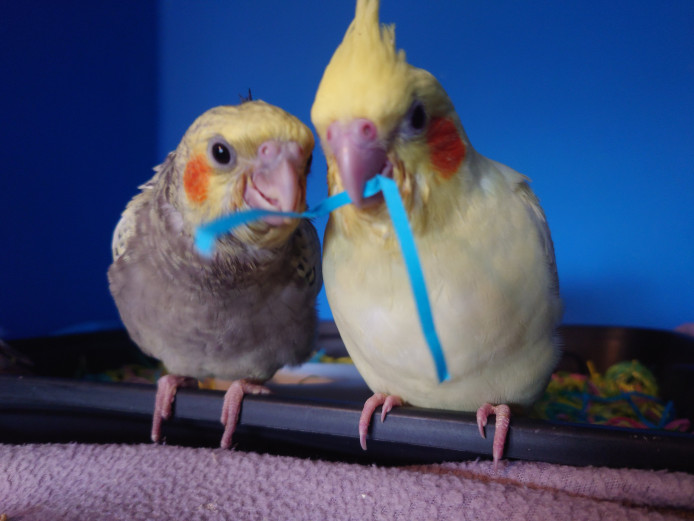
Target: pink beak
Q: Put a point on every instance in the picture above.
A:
(274, 183)
(359, 153)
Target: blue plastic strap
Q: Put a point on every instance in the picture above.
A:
(206, 235)
(414, 270)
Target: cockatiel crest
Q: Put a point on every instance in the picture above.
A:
(367, 55)
(368, 78)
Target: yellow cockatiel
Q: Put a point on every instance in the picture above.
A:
(483, 242)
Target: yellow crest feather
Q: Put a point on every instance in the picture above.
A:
(365, 68)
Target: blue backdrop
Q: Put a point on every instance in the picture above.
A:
(592, 100)
(78, 124)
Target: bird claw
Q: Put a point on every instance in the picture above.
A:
(482, 414)
(387, 401)
(232, 406)
(390, 402)
(167, 386)
(503, 418)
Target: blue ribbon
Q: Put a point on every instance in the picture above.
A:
(206, 235)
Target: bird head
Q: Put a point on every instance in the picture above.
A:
(377, 114)
(233, 158)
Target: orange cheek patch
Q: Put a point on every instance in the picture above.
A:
(196, 179)
(446, 149)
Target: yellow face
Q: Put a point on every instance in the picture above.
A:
(253, 155)
(377, 114)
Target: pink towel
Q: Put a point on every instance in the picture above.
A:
(133, 482)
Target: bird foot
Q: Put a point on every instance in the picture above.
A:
(232, 406)
(388, 401)
(503, 418)
(167, 386)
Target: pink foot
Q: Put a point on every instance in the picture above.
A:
(232, 406)
(163, 403)
(388, 401)
(503, 418)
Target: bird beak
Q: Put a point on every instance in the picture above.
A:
(274, 180)
(360, 155)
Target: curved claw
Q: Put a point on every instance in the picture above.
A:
(378, 399)
(232, 406)
(391, 401)
(503, 419)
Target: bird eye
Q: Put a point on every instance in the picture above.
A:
(418, 117)
(414, 121)
(222, 153)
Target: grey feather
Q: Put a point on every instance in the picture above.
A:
(243, 313)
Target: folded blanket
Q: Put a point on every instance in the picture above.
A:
(133, 482)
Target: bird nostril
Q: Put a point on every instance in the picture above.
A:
(295, 149)
(368, 130)
(268, 150)
(360, 132)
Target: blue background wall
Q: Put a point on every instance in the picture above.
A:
(592, 100)
(78, 124)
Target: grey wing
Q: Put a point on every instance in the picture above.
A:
(125, 229)
(307, 260)
(127, 225)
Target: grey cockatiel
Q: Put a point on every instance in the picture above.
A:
(248, 309)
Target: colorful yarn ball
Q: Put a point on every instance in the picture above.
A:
(625, 396)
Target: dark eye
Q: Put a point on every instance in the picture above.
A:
(415, 121)
(418, 117)
(222, 153)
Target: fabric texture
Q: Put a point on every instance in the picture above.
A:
(143, 482)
